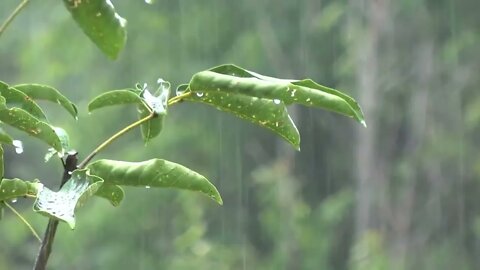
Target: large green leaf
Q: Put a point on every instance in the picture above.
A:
(235, 80)
(62, 204)
(153, 173)
(13, 188)
(100, 23)
(264, 112)
(26, 122)
(115, 97)
(19, 99)
(44, 92)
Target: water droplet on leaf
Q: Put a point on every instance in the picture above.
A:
(147, 186)
(276, 101)
(18, 146)
(199, 94)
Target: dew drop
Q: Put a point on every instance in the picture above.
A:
(199, 94)
(147, 186)
(14, 200)
(276, 101)
(149, 2)
(18, 146)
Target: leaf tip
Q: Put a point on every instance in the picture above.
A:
(363, 123)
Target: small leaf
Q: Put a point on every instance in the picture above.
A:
(235, 80)
(62, 204)
(24, 121)
(153, 173)
(13, 188)
(156, 103)
(44, 92)
(113, 193)
(100, 23)
(19, 99)
(64, 140)
(5, 138)
(115, 97)
(264, 112)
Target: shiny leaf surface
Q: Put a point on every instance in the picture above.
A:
(100, 22)
(153, 173)
(44, 92)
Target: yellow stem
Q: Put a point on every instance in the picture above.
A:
(12, 16)
(24, 221)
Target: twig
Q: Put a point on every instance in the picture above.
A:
(24, 221)
(13, 15)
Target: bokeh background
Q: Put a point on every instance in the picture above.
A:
(401, 194)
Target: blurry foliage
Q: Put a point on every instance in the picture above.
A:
(306, 219)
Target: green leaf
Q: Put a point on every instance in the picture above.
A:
(18, 98)
(24, 121)
(65, 142)
(158, 105)
(2, 169)
(100, 23)
(62, 204)
(5, 138)
(13, 188)
(115, 97)
(264, 112)
(153, 173)
(235, 80)
(113, 193)
(44, 92)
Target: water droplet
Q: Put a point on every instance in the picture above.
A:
(276, 101)
(14, 200)
(199, 94)
(69, 173)
(147, 186)
(308, 100)
(149, 2)
(18, 146)
(293, 92)
(363, 123)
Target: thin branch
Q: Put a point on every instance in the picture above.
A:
(12, 16)
(114, 137)
(24, 221)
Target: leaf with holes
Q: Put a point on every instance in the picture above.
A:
(19, 99)
(115, 97)
(61, 205)
(271, 114)
(153, 173)
(235, 80)
(101, 23)
(26, 122)
(44, 92)
(13, 188)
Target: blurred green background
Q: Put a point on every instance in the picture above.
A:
(401, 194)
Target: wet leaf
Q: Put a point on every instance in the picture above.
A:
(44, 92)
(115, 97)
(26, 122)
(5, 138)
(235, 80)
(17, 98)
(158, 104)
(264, 112)
(62, 204)
(100, 23)
(153, 173)
(13, 188)
(65, 142)
(113, 193)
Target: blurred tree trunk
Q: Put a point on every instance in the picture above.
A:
(370, 191)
